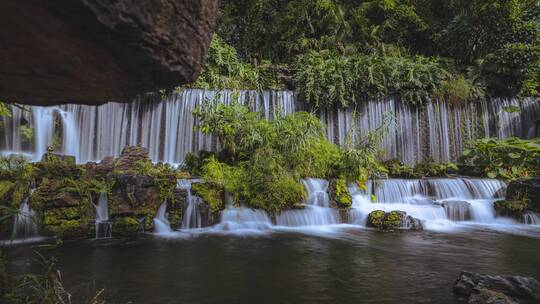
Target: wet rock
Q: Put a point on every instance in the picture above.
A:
(106, 165)
(528, 189)
(393, 220)
(95, 51)
(482, 289)
(375, 219)
(130, 156)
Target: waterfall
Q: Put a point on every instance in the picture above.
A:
(531, 218)
(161, 221)
(24, 224)
(316, 211)
(103, 224)
(242, 219)
(166, 127)
(192, 217)
(434, 200)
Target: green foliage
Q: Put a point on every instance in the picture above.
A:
(504, 158)
(43, 287)
(326, 79)
(210, 194)
(224, 70)
(433, 169)
(4, 109)
(494, 43)
(263, 161)
(342, 195)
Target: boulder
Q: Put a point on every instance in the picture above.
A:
(130, 156)
(393, 220)
(528, 189)
(482, 289)
(94, 51)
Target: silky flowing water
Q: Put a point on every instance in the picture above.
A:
(344, 265)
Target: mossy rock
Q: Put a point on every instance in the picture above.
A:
(69, 229)
(393, 219)
(126, 225)
(57, 215)
(376, 219)
(511, 208)
(339, 192)
(6, 188)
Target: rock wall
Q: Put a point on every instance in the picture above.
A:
(94, 51)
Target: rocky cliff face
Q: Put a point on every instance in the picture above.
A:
(94, 51)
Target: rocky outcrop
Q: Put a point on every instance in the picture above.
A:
(526, 188)
(393, 220)
(483, 289)
(522, 197)
(94, 51)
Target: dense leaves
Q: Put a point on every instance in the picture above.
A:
(505, 158)
(263, 161)
(340, 50)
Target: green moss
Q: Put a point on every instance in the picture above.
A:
(68, 229)
(343, 197)
(56, 216)
(5, 189)
(512, 208)
(392, 220)
(376, 219)
(210, 194)
(126, 225)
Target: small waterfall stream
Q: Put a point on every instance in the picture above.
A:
(316, 211)
(192, 217)
(103, 224)
(161, 221)
(24, 223)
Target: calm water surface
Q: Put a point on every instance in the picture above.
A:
(344, 265)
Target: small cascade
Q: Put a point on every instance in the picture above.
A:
(103, 224)
(531, 218)
(240, 219)
(316, 211)
(433, 200)
(24, 224)
(192, 217)
(161, 221)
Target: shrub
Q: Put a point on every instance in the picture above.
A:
(509, 158)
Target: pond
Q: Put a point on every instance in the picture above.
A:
(333, 264)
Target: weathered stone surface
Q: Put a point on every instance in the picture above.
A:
(482, 289)
(130, 156)
(94, 51)
(525, 188)
(393, 220)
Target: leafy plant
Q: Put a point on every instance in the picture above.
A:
(504, 158)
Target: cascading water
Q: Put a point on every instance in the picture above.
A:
(167, 127)
(24, 224)
(316, 211)
(242, 219)
(531, 218)
(103, 224)
(192, 217)
(435, 201)
(161, 221)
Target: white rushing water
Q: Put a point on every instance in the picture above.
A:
(103, 224)
(167, 127)
(436, 201)
(192, 217)
(316, 211)
(161, 221)
(24, 223)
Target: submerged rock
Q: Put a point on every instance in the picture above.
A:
(481, 288)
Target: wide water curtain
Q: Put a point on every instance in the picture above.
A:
(167, 128)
